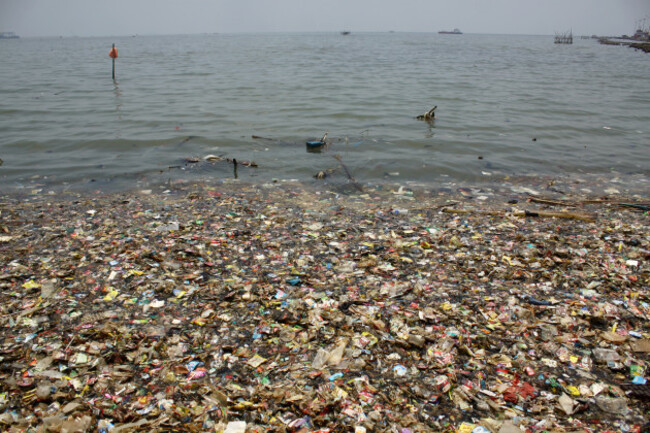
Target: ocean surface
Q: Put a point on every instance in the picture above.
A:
(508, 106)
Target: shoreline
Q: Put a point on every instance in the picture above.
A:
(494, 185)
(638, 45)
(288, 308)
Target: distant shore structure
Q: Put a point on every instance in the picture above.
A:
(640, 40)
(8, 35)
(564, 38)
(453, 32)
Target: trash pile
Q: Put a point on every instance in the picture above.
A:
(269, 309)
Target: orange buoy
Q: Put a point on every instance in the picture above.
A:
(113, 55)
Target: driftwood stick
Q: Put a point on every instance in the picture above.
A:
(347, 172)
(473, 211)
(566, 215)
(185, 140)
(618, 202)
(644, 206)
(526, 213)
(540, 200)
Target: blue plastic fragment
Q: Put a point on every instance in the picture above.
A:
(294, 281)
(191, 366)
(335, 376)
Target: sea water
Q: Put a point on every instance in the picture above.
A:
(508, 106)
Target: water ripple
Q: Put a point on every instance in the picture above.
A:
(521, 104)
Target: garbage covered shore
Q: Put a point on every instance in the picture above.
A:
(282, 309)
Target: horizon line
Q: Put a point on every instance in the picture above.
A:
(279, 32)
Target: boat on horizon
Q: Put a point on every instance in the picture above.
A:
(453, 32)
(9, 35)
(345, 32)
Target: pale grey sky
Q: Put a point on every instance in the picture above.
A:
(130, 17)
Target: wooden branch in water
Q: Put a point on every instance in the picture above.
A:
(186, 139)
(234, 162)
(347, 172)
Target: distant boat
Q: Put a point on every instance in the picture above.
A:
(345, 32)
(8, 35)
(453, 32)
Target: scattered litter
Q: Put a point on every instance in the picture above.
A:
(275, 309)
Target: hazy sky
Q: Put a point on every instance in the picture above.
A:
(130, 17)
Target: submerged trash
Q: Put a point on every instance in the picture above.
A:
(236, 162)
(315, 146)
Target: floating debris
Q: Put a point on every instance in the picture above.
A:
(429, 115)
(317, 145)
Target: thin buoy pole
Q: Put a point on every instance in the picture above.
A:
(113, 55)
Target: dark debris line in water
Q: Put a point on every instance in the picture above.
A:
(271, 308)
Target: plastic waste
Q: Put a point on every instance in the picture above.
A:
(616, 406)
(254, 309)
